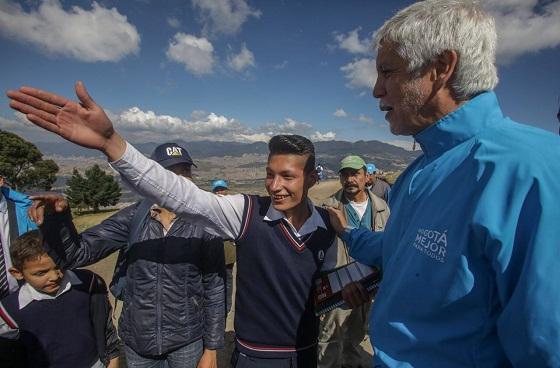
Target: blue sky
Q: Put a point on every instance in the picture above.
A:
(241, 70)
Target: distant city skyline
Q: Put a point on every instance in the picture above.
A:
(243, 70)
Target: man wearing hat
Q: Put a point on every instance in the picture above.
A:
(220, 186)
(169, 274)
(342, 330)
(377, 186)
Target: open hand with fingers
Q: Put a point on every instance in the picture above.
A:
(46, 204)
(84, 123)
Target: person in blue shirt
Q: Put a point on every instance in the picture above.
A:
(471, 251)
(14, 222)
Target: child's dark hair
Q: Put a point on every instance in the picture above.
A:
(294, 145)
(27, 247)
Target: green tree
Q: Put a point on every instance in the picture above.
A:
(22, 164)
(93, 190)
(76, 189)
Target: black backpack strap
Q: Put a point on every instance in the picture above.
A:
(118, 282)
(12, 220)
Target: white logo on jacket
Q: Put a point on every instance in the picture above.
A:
(433, 243)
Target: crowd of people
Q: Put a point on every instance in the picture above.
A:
(467, 237)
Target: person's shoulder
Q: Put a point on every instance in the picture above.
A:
(91, 281)
(519, 145)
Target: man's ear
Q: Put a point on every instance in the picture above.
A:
(313, 178)
(444, 67)
(16, 273)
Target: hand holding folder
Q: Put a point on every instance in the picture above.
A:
(329, 285)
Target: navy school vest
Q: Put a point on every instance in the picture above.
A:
(57, 332)
(275, 272)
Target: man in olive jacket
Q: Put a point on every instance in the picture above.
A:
(342, 330)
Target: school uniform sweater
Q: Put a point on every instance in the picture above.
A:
(56, 332)
(274, 302)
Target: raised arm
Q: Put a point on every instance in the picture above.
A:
(70, 249)
(86, 124)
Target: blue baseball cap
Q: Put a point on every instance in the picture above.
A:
(220, 183)
(169, 154)
(371, 168)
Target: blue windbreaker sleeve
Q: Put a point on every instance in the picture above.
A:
(22, 204)
(365, 246)
(521, 238)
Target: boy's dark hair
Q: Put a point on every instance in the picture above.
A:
(28, 246)
(293, 145)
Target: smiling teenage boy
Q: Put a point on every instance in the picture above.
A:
(283, 240)
(62, 318)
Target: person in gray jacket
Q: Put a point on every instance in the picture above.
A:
(342, 330)
(170, 277)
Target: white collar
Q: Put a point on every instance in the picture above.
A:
(310, 225)
(27, 293)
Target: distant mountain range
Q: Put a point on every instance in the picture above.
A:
(329, 153)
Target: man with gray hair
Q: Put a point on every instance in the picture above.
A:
(470, 252)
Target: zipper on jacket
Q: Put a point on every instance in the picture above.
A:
(159, 342)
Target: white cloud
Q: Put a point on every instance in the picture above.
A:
(195, 53)
(250, 138)
(174, 22)
(360, 73)
(525, 26)
(224, 16)
(20, 123)
(365, 118)
(290, 126)
(351, 42)
(281, 65)
(340, 113)
(140, 125)
(322, 137)
(241, 61)
(99, 34)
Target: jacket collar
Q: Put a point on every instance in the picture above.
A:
(460, 125)
(341, 198)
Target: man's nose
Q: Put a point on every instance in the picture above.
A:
(275, 185)
(56, 274)
(378, 88)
